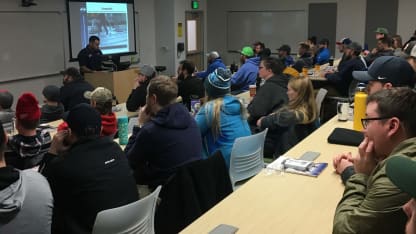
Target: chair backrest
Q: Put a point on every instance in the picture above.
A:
(320, 98)
(246, 158)
(136, 217)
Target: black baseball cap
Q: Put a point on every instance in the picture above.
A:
(388, 69)
(83, 120)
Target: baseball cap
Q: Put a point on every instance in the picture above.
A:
(284, 48)
(410, 50)
(345, 41)
(213, 54)
(388, 69)
(402, 172)
(146, 70)
(100, 94)
(247, 51)
(73, 72)
(83, 120)
(354, 46)
(382, 30)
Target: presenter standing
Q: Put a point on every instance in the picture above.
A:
(90, 57)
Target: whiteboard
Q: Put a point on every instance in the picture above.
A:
(273, 28)
(31, 44)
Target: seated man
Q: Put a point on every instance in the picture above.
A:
(401, 171)
(87, 173)
(189, 87)
(167, 136)
(26, 200)
(383, 49)
(6, 113)
(323, 54)
(371, 203)
(73, 89)
(284, 53)
(385, 73)
(137, 97)
(27, 148)
(247, 74)
(214, 62)
(340, 81)
(102, 100)
(305, 58)
(52, 109)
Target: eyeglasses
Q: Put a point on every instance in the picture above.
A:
(365, 121)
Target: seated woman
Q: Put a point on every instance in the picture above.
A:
(222, 119)
(301, 110)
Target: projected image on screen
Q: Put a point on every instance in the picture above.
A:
(112, 22)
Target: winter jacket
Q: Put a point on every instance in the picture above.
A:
(25, 152)
(73, 93)
(323, 56)
(25, 202)
(191, 86)
(93, 175)
(169, 140)
(246, 75)
(372, 203)
(51, 113)
(269, 97)
(233, 125)
(211, 68)
(343, 77)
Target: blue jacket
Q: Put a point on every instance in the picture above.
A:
(289, 61)
(211, 68)
(169, 140)
(232, 126)
(323, 56)
(246, 75)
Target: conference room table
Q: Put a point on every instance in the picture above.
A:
(279, 202)
(121, 110)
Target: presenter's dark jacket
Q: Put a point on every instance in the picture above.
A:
(90, 58)
(93, 175)
(73, 93)
(169, 140)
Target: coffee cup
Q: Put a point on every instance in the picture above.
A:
(342, 110)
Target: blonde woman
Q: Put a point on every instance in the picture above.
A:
(301, 109)
(222, 119)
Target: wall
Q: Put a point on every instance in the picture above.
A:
(350, 19)
(145, 44)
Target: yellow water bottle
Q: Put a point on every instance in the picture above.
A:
(360, 99)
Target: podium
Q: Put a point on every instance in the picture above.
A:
(119, 82)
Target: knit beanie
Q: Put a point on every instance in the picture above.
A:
(217, 84)
(27, 107)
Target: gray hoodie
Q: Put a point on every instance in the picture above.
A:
(26, 204)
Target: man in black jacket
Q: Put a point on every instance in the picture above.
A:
(73, 89)
(87, 173)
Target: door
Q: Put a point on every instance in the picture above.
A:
(195, 39)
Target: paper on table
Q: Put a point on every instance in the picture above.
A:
(314, 170)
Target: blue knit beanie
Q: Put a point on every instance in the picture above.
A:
(217, 84)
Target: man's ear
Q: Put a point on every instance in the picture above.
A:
(393, 125)
(387, 85)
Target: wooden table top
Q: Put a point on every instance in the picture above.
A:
(274, 202)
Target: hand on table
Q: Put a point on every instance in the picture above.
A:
(342, 161)
(365, 161)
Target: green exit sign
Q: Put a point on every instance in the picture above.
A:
(195, 4)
